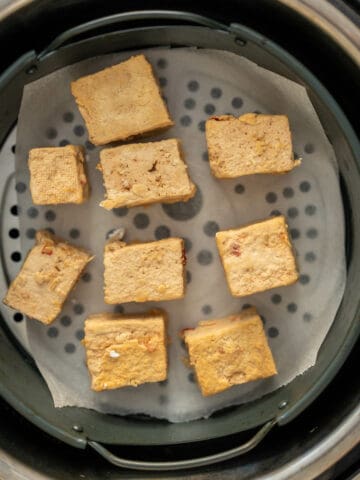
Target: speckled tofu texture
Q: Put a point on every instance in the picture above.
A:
(229, 351)
(57, 175)
(144, 173)
(144, 272)
(49, 272)
(124, 350)
(121, 101)
(257, 257)
(252, 143)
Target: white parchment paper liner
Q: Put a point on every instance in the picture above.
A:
(297, 318)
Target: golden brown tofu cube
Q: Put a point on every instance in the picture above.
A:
(229, 351)
(257, 257)
(123, 350)
(144, 173)
(57, 175)
(144, 272)
(51, 269)
(121, 102)
(252, 143)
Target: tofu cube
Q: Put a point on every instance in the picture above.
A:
(125, 350)
(143, 272)
(57, 175)
(252, 143)
(229, 351)
(50, 271)
(144, 173)
(121, 101)
(257, 257)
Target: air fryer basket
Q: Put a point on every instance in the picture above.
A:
(21, 384)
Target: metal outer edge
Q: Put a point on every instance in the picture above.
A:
(12, 6)
(11, 468)
(184, 464)
(316, 12)
(323, 455)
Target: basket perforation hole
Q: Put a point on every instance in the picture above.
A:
(20, 187)
(15, 256)
(193, 86)
(51, 133)
(14, 210)
(69, 347)
(18, 317)
(14, 233)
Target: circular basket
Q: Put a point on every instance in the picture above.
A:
(20, 382)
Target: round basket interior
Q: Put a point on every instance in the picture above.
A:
(20, 382)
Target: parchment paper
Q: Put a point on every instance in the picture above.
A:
(196, 83)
